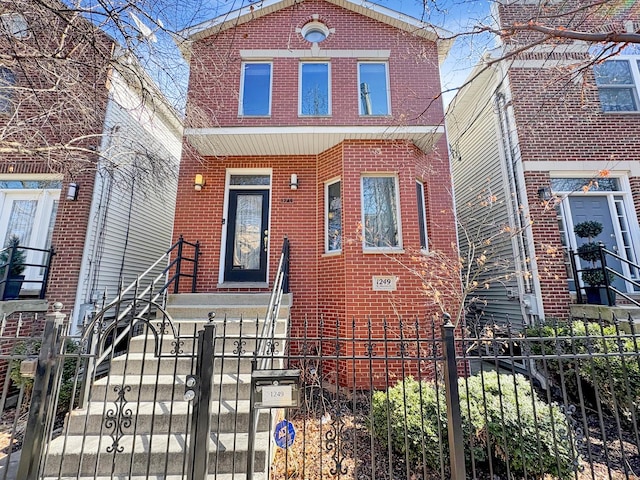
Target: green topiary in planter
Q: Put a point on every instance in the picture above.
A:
(590, 252)
(11, 288)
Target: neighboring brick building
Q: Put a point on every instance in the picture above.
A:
(319, 121)
(78, 131)
(555, 141)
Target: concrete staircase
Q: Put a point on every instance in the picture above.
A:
(143, 395)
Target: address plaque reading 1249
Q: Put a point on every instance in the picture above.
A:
(385, 283)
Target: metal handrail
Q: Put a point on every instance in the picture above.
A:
(5, 268)
(140, 293)
(280, 286)
(606, 270)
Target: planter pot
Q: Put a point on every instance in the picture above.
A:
(11, 290)
(598, 296)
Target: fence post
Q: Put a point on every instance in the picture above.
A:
(42, 394)
(454, 416)
(201, 415)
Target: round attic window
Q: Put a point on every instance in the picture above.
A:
(315, 32)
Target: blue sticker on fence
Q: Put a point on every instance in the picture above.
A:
(284, 434)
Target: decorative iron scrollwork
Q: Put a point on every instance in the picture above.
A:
(335, 446)
(118, 419)
(239, 344)
(177, 347)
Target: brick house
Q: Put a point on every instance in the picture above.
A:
(552, 139)
(321, 122)
(87, 129)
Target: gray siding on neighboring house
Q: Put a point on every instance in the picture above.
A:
(134, 197)
(482, 196)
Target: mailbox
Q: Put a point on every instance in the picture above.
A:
(28, 367)
(276, 388)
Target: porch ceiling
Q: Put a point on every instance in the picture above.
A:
(258, 141)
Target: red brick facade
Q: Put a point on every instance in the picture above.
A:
(334, 287)
(559, 118)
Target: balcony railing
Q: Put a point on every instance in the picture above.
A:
(24, 278)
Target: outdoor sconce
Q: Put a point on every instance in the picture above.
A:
(72, 191)
(294, 181)
(199, 182)
(544, 194)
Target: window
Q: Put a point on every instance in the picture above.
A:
(255, 94)
(333, 211)
(422, 219)
(617, 80)
(380, 215)
(315, 32)
(374, 88)
(314, 89)
(7, 89)
(15, 25)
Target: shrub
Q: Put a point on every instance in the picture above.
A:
(32, 348)
(501, 418)
(614, 378)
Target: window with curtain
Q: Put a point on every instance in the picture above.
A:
(380, 216)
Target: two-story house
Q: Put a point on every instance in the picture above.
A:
(88, 164)
(550, 134)
(319, 121)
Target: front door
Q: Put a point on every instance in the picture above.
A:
(247, 236)
(596, 208)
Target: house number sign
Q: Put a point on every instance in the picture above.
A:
(384, 283)
(277, 396)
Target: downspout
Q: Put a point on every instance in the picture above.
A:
(527, 270)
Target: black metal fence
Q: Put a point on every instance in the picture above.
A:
(375, 399)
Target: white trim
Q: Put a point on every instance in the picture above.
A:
(241, 98)
(225, 212)
(268, 54)
(30, 176)
(327, 184)
(382, 130)
(588, 168)
(388, 89)
(424, 214)
(398, 248)
(300, 65)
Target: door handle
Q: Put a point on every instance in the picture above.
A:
(265, 239)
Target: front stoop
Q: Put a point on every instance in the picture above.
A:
(606, 313)
(153, 444)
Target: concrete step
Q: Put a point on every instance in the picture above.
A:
(165, 388)
(230, 312)
(229, 298)
(141, 454)
(163, 417)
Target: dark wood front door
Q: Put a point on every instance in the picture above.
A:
(247, 236)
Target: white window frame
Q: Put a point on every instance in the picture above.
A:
(242, 84)
(370, 249)
(15, 24)
(425, 230)
(328, 184)
(329, 106)
(635, 75)
(388, 90)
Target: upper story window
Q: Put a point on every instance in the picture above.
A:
(315, 89)
(617, 82)
(333, 202)
(315, 32)
(374, 88)
(380, 212)
(255, 90)
(15, 25)
(7, 89)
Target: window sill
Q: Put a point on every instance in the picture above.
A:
(622, 112)
(255, 116)
(333, 253)
(300, 115)
(383, 251)
(383, 115)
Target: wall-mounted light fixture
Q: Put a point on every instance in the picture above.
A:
(72, 191)
(544, 194)
(294, 181)
(199, 182)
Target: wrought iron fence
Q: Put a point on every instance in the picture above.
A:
(378, 399)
